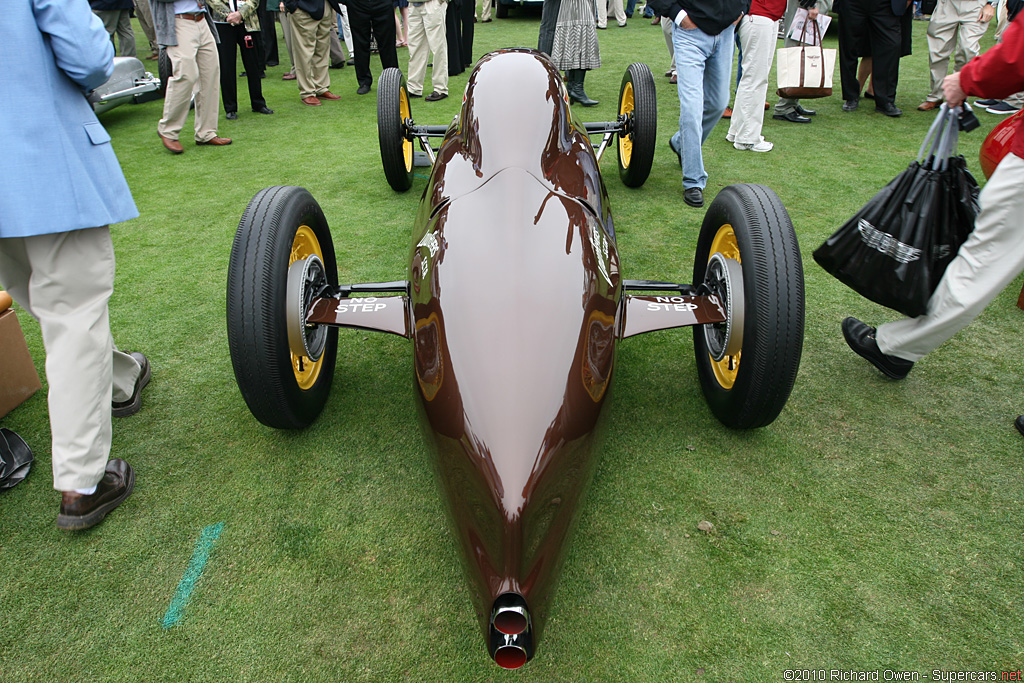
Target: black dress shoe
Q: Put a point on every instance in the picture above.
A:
(861, 339)
(694, 196)
(363, 89)
(231, 115)
(791, 116)
(435, 96)
(132, 405)
(869, 95)
(851, 105)
(889, 109)
(338, 65)
(1019, 424)
(805, 112)
(263, 110)
(78, 511)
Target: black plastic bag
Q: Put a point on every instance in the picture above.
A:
(895, 249)
(15, 459)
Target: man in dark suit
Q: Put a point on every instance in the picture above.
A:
(871, 28)
(378, 15)
(311, 22)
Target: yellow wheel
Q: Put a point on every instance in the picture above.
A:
(281, 259)
(748, 257)
(305, 244)
(638, 115)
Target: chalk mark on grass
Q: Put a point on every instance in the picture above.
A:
(193, 572)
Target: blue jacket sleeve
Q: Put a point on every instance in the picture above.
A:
(80, 44)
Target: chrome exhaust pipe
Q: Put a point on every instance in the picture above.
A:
(511, 632)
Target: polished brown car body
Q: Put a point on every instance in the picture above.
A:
(514, 304)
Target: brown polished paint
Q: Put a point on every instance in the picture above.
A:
(514, 307)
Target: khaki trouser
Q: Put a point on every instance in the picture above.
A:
(311, 43)
(615, 6)
(196, 65)
(426, 32)
(485, 10)
(119, 21)
(954, 26)
(145, 14)
(987, 262)
(64, 281)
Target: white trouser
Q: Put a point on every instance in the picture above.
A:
(426, 34)
(485, 10)
(954, 26)
(615, 6)
(64, 281)
(758, 36)
(987, 262)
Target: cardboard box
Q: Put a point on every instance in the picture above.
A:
(18, 377)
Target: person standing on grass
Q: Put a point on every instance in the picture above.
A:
(311, 22)
(426, 35)
(787, 108)
(758, 32)
(376, 17)
(186, 29)
(956, 27)
(238, 26)
(56, 256)
(992, 256)
(117, 18)
(702, 41)
(574, 47)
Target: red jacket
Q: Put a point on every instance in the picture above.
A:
(999, 73)
(773, 9)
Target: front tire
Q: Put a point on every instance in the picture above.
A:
(281, 226)
(638, 103)
(748, 251)
(396, 152)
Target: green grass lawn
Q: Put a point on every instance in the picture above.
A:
(875, 525)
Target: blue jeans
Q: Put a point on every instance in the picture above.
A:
(703, 68)
(631, 7)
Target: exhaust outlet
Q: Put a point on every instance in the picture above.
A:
(511, 633)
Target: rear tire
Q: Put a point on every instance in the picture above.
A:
(639, 103)
(164, 70)
(750, 228)
(281, 225)
(393, 108)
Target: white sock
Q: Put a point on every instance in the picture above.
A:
(87, 492)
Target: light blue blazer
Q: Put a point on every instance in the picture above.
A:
(58, 171)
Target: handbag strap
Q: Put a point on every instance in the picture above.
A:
(803, 50)
(931, 137)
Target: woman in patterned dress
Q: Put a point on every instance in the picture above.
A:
(575, 47)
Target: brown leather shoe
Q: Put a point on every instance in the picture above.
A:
(173, 145)
(288, 77)
(81, 512)
(727, 114)
(927, 106)
(215, 141)
(328, 95)
(312, 101)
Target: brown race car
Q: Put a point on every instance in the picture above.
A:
(515, 301)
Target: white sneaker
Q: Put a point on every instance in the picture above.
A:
(761, 145)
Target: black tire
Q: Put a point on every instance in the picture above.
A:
(639, 104)
(500, 10)
(396, 151)
(281, 389)
(164, 70)
(750, 388)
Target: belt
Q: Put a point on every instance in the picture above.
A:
(194, 16)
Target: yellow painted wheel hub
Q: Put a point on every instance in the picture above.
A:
(304, 244)
(406, 114)
(725, 244)
(626, 141)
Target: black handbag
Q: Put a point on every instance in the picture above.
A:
(896, 248)
(15, 458)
